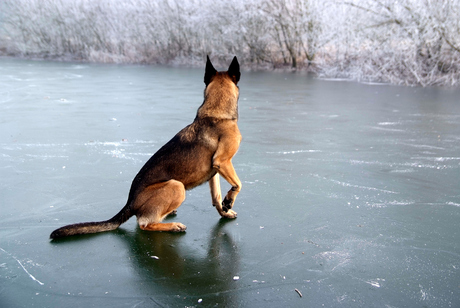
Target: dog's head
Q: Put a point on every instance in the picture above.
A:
(221, 92)
(233, 72)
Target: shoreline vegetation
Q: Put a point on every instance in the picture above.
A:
(406, 42)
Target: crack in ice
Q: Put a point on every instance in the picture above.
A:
(25, 270)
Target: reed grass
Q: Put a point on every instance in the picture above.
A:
(410, 42)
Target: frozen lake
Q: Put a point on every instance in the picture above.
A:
(351, 192)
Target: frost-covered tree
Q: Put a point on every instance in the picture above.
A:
(413, 42)
(296, 28)
(403, 42)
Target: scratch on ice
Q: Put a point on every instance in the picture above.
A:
(25, 270)
(295, 152)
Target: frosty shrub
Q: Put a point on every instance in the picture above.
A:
(411, 42)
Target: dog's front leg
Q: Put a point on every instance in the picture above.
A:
(222, 163)
(225, 168)
(214, 185)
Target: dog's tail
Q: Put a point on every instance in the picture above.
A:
(94, 227)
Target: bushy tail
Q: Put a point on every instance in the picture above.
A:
(94, 227)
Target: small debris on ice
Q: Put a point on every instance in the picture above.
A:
(298, 292)
(374, 283)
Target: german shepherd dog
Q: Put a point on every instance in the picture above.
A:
(199, 153)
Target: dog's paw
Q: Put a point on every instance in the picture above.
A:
(229, 214)
(227, 204)
(173, 213)
(178, 227)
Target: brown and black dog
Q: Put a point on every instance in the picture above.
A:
(197, 154)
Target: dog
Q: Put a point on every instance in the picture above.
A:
(199, 153)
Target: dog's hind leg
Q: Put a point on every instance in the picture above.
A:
(156, 202)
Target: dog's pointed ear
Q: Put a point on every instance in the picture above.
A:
(234, 70)
(210, 71)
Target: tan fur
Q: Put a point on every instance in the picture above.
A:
(198, 153)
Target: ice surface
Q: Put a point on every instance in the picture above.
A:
(350, 192)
